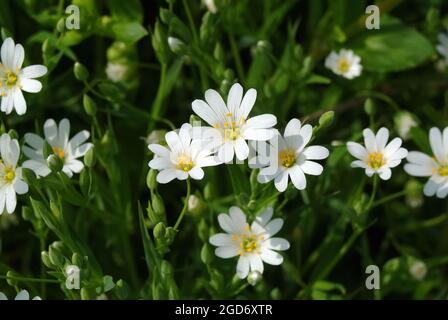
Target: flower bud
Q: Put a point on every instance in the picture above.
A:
(151, 179)
(60, 26)
(157, 204)
(56, 257)
(159, 231)
(90, 158)
(209, 192)
(176, 45)
(117, 72)
(89, 105)
(206, 254)
(211, 6)
(45, 257)
(166, 269)
(414, 194)
(81, 73)
(418, 270)
(54, 163)
(326, 119)
(195, 205)
(369, 107)
(254, 277)
(10, 275)
(404, 121)
(156, 137)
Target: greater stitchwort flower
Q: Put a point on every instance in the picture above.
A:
(22, 295)
(253, 244)
(14, 79)
(10, 174)
(231, 122)
(377, 156)
(435, 166)
(58, 138)
(184, 157)
(345, 63)
(290, 157)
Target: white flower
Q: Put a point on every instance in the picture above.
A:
(435, 167)
(184, 156)
(377, 156)
(418, 270)
(290, 157)
(14, 79)
(231, 122)
(253, 244)
(211, 6)
(22, 295)
(345, 63)
(10, 174)
(404, 121)
(58, 138)
(116, 72)
(175, 44)
(442, 47)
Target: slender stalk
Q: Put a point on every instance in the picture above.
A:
(389, 198)
(236, 56)
(25, 279)
(184, 209)
(158, 102)
(375, 189)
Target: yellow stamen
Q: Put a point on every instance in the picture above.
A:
(9, 174)
(59, 152)
(376, 160)
(184, 163)
(343, 65)
(11, 79)
(443, 170)
(231, 133)
(287, 158)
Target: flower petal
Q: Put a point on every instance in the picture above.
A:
(34, 71)
(271, 257)
(242, 267)
(316, 152)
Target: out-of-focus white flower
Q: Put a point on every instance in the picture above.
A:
(377, 156)
(291, 157)
(22, 295)
(14, 79)
(442, 47)
(231, 124)
(10, 174)
(211, 6)
(404, 121)
(176, 45)
(345, 63)
(58, 138)
(254, 277)
(116, 72)
(156, 137)
(254, 244)
(414, 197)
(195, 204)
(435, 167)
(418, 270)
(184, 157)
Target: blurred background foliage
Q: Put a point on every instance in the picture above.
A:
(135, 66)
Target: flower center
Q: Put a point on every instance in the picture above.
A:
(376, 160)
(343, 65)
(231, 133)
(11, 79)
(184, 163)
(248, 243)
(59, 152)
(9, 174)
(443, 170)
(287, 158)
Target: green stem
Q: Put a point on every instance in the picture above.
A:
(184, 209)
(389, 198)
(30, 279)
(236, 56)
(43, 287)
(375, 188)
(344, 249)
(158, 102)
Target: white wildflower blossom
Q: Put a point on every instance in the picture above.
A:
(253, 244)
